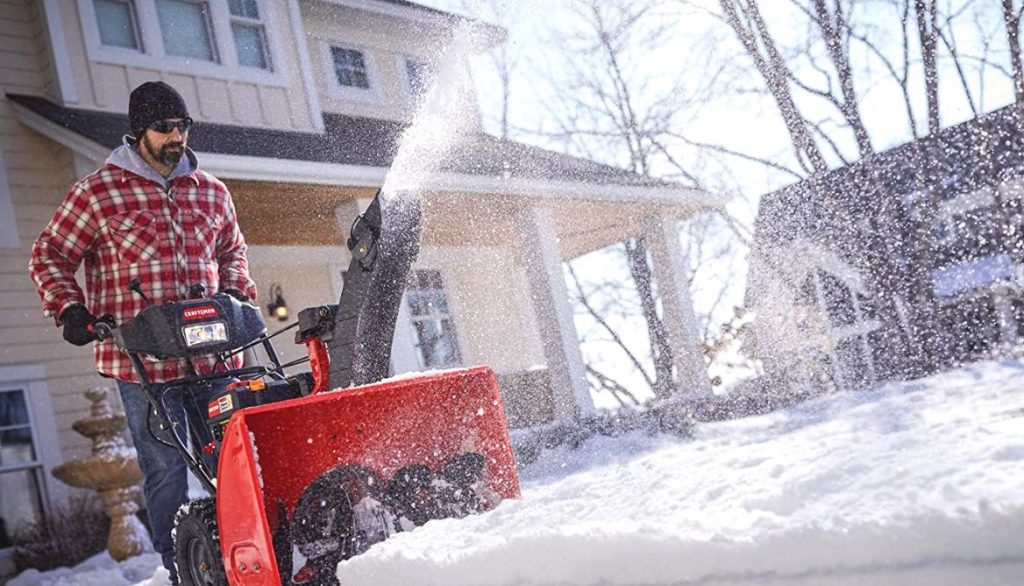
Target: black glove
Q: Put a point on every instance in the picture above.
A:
(236, 293)
(77, 319)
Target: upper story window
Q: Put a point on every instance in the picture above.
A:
(119, 27)
(436, 344)
(186, 29)
(233, 39)
(249, 33)
(350, 68)
(418, 74)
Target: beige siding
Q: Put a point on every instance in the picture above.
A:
(493, 318)
(304, 273)
(245, 104)
(492, 314)
(104, 83)
(38, 173)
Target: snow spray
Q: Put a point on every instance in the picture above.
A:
(440, 124)
(442, 121)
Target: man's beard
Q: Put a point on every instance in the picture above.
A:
(169, 154)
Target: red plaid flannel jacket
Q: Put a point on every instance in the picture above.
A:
(123, 227)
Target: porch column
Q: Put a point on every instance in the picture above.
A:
(538, 247)
(674, 291)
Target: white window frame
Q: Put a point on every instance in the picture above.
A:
(214, 34)
(8, 223)
(403, 62)
(133, 12)
(31, 379)
(153, 55)
(861, 326)
(373, 94)
(450, 316)
(260, 24)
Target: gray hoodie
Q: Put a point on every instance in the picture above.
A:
(127, 158)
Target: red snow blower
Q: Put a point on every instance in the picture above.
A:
(312, 468)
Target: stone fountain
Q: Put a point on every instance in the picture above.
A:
(113, 471)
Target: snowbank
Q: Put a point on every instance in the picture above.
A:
(100, 570)
(915, 483)
(920, 482)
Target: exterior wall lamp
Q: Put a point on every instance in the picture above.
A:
(277, 307)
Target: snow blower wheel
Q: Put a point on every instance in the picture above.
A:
(339, 515)
(196, 546)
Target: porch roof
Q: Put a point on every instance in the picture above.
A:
(469, 200)
(353, 142)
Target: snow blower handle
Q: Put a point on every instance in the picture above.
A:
(103, 326)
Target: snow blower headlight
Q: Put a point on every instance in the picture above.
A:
(204, 334)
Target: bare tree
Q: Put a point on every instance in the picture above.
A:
(615, 117)
(1011, 15)
(752, 31)
(607, 105)
(815, 82)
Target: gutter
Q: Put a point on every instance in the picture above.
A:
(316, 173)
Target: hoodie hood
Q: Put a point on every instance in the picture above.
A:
(129, 159)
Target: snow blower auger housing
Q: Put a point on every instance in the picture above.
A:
(306, 470)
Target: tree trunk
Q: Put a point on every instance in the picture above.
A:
(930, 163)
(775, 74)
(1012, 20)
(640, 270)
(832, 31)
(928, 31)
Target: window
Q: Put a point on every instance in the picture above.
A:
(838, 300)
(852, 362)
(249, 34)
(21, 486)
(235, 40)
(185, 28)
(350, 68)
(117, 23)
(418, 74)
(969, 235)
(434, 329)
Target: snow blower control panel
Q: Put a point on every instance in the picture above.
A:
(182, 329)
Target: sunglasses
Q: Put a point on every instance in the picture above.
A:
(165, 126)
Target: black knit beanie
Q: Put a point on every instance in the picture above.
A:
(152, 101)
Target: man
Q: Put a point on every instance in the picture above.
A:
(149, 214)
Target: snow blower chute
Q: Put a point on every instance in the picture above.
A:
(306, 469)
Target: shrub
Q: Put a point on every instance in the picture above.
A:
(72, 533)
(670, 418)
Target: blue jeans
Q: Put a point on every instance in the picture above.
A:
(165, 483)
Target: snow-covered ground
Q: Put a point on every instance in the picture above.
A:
(913, 483)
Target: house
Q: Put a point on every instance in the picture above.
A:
(299, 106)
(913, 254)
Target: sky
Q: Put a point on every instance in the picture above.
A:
(915, 483)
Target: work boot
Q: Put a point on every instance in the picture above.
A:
(172, 569)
